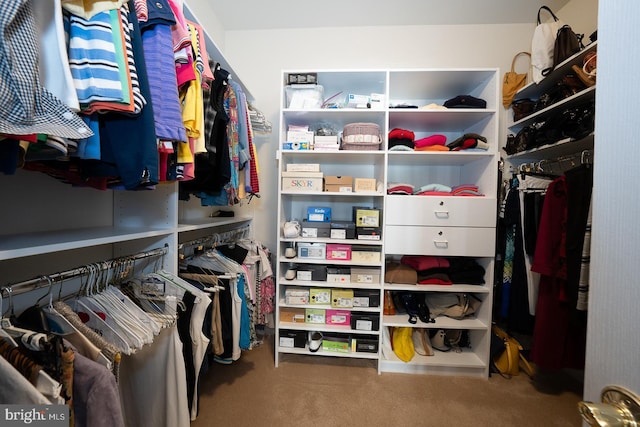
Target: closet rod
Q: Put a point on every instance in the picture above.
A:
(44, 281)
(217, 238)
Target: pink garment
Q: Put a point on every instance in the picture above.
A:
(179, 32)
(424, 262)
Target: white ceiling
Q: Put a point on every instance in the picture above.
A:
(273, 14)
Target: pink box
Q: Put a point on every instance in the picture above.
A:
(338, 317)
(338, 252)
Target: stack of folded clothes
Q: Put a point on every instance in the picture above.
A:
(399, 188)
(433, 189)
(469, 141)
(431, 270)
(466, 190)
(401, 139)
(464, 270)
(431, 143)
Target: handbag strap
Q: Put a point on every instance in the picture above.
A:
(555, 18)
(513, 62)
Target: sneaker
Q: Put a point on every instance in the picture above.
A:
(315, 341)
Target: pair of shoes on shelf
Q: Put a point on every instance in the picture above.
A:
(315, 341)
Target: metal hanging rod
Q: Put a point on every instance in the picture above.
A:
(44, 281)
(218, 238)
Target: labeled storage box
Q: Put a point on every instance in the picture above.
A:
(316, 229)
(364, 321)
(296, 296)
(292, 315)
(366, 217)
(315, 315)
(364, 345)
(320, 296)
(300, 136)
(338, 317)
(365, 254)
(369, 233)
(366, 298)
(335, 343)
(339, 184)
(342, 298)
(343, 230)
(365, 275)
(302, 78)
(364, 185)
(319, 214)
(293, 339)
(317, 273)
(301, 181)
(303, 167)
(338, 275)
(310, 250)
(338, 252)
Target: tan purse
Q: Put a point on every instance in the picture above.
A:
(513, 82)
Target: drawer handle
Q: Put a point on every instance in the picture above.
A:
(442, 214)
(441, 243)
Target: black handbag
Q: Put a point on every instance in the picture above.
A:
(567, 44)
(520, 141)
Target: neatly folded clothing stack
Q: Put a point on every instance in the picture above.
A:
(469, 141)
(464, 270)
(399, 188)
(401, 138)
(431, 143)
(431, 270)
(466, 190)
(433, 189)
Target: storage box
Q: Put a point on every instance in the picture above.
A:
(315, 315)
(335, 343)
(302, 181)
(317, 273)
(366, 298)
(326, 140)
(338, 252)
(292, 315)
(296, 296)
(338, 275)
(320, 296)
(339, 184)
(304, 96)
(366, 217)
(369, 233)
(291, 339)
(365, 321)
(303, 167)
(365, 254)
(377, 101)
(343, 230)
(364, 345)
(365, 275)
(342, 298)
(302, 78)
(316, 229)
(364, 185)
(300, 136)
(319, 214)
(311, 250)
(338, 317)
(357, 101)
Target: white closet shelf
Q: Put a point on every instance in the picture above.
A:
(329, 240)
(317, 284)
(37, 243)
(324, 327)
(572, 101)
(450, 359)
(329, 307)
(435, 158)
(561, 148)
(204, 223)
(451, 120)
(441, 322)
(356, 355)
(333, 193)
(476, 289)
(331, 262)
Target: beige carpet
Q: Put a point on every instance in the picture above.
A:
(324, 391)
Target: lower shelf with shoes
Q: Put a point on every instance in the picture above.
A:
(328, 343)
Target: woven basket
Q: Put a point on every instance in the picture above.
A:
(361, 136)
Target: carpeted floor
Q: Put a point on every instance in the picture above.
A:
(325, 392)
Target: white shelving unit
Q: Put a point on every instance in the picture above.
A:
(411, 225)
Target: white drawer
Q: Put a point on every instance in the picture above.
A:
(442, 211)
(445, 241)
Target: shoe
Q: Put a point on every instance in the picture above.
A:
(421, 342)
(315, 341)
(438, 340)
(584, 77)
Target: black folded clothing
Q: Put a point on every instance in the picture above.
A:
(465, 101)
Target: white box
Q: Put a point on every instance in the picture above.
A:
(357, 101)
(312, 250)
(303, 167)
(377, 101)
(302, 181)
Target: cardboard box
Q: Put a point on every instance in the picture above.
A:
(316, 229)
(317, 273)
(364, 185)
(365, 275)
(342, 298)
(366, 298)
(335, 343)
(365, 321)
(311, 250)
(339, 184)
(338, 275)
(364, 345)
(315, 315)
(303, 167)
(369, 233)
(319, 214)
(338, 317)
(302, 181)
(320, 296)
(325, 140)
(293, 339)
(296, 296)
(338, 252)
(366, 217)
(292, 315)
(343, 230)
(365, 254)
